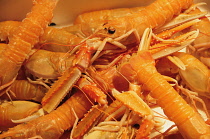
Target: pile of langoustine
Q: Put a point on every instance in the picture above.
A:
(103, 79)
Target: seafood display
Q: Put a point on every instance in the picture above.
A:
(124, 73)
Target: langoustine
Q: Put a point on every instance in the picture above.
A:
(151, 16)
(182, 114)
(52, 126)
(24, 38)
(85, 26)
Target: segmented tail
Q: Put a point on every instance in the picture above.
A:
(27, 34)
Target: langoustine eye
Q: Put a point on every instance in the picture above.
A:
(111, 30)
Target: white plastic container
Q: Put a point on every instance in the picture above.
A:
(67, 10)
